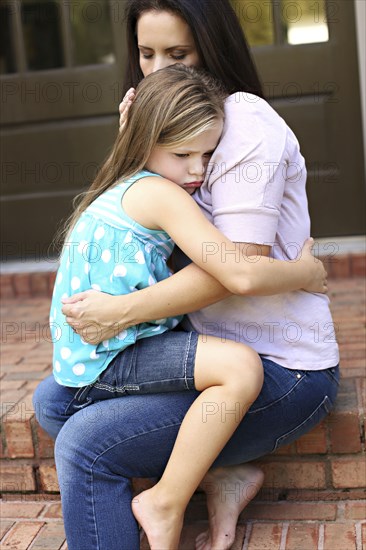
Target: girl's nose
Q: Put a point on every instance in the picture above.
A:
(197, 168)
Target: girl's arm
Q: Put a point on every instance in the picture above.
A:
(98, 316)
(161, 204)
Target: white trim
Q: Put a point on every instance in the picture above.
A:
(29, 266)
(340, 245)
(360, 10)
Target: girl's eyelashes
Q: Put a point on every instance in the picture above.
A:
(184, 155)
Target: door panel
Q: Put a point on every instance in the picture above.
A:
(314, 86)
(309, 120)
(60, 83)
(74, 150)
(56, 95)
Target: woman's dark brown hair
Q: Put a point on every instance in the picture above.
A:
(218, 36)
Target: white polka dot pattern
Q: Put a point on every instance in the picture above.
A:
(120, 271)
(78, 369)
(99, 233)
(75, 283)
(107, 253)
(65, 353)
(106, 256)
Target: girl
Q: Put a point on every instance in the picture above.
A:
(136, 436)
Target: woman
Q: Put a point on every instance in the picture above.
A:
(255, 194)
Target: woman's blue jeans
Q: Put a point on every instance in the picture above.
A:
(100, 447)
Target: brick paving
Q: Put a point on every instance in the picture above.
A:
(38, 525)
(314, 490)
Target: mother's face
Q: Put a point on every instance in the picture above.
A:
(164, 39)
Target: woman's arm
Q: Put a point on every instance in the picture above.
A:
(188, 290)
(98, 316)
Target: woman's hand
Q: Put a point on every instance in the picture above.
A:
(94, 315)
(317, 275)
(124, 107)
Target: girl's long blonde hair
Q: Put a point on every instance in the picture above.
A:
(172, 105)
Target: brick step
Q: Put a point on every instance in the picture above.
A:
(289, 526)
(329, 459)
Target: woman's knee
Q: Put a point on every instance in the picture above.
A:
(71, 465)
(40, 395)
(49, 401)
(41, 402)
(88, 442)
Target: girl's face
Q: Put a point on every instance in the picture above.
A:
(164, 39)
(186, 165)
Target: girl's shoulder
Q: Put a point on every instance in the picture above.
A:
(142, 174)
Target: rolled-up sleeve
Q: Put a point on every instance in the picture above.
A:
(248, 170)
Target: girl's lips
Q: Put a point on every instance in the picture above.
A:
(193, 184)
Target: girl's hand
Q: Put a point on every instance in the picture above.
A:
(317, 275)
(124, 107)
(94, 315)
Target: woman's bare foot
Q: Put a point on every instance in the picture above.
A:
(162, 523)
(228, 491)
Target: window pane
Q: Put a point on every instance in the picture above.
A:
(7, 56)
(305, 21)
(256, 19)
(42, 38)
(91, 32)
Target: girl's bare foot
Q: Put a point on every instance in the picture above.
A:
(161, 522)
(228, 491)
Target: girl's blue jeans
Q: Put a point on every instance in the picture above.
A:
(100, 447)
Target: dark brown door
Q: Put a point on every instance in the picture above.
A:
(61, 69)
(61, 65)
(306, 53)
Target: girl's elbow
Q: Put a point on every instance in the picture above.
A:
(241, 286)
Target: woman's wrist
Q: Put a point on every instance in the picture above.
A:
(138, 307)
(124, 310)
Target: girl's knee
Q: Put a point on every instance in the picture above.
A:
(246, 369)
